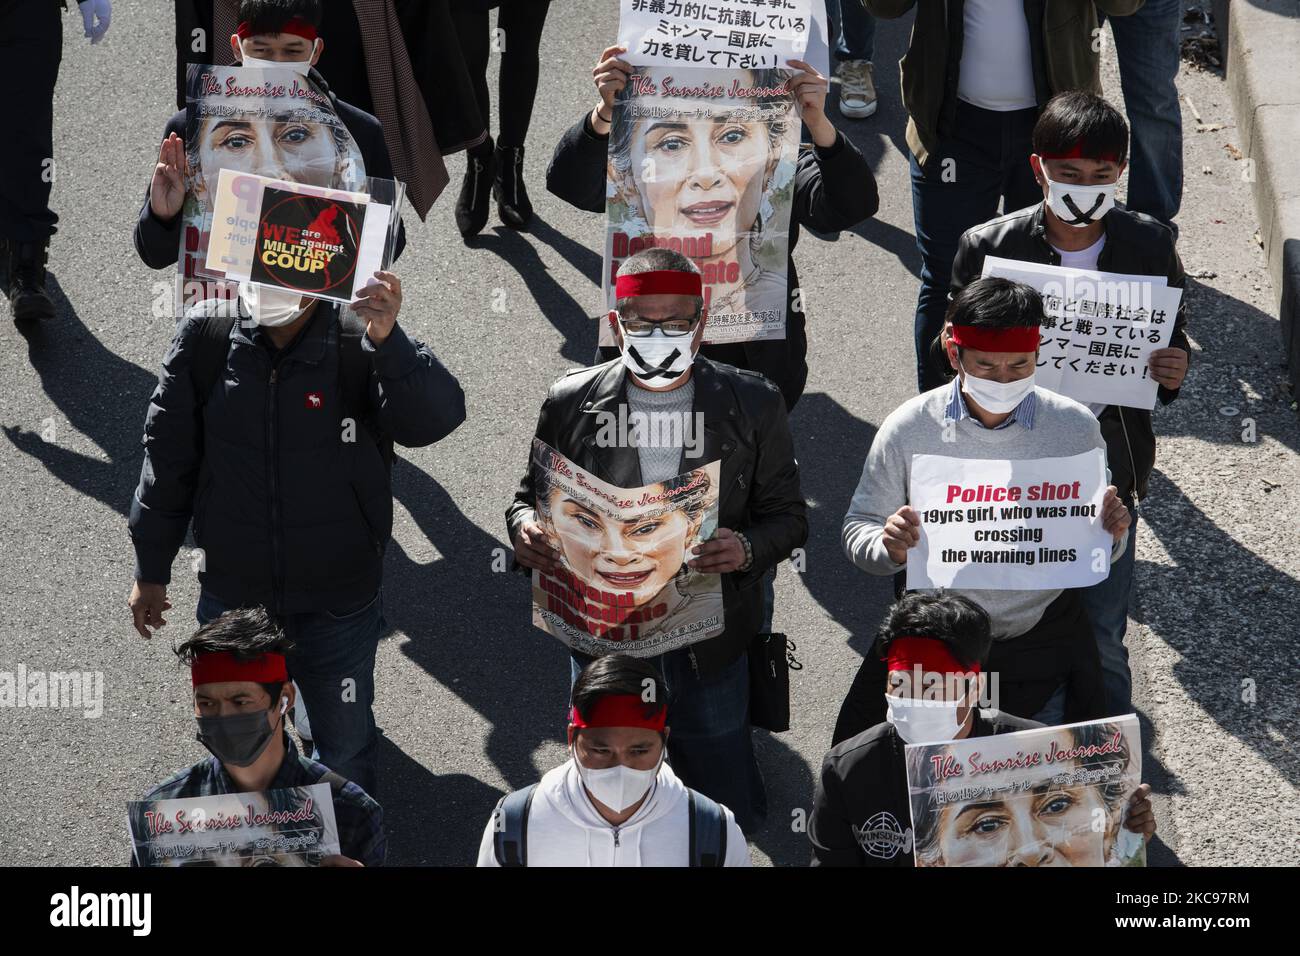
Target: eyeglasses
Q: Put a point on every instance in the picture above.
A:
(640, 328)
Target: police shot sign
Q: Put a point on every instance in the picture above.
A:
(1099, 330)
(1009, 525)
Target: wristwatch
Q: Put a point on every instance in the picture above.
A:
(749, 552)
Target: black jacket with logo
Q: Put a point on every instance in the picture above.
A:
(745, 426)
(290, 510)
(1136, 244)
(834, 190)
(861, 815)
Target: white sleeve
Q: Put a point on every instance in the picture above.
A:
(487, 851)
(737, 847)
(881, 491)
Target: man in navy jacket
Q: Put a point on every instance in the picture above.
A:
(271, 433)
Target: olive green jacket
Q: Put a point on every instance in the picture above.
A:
(1065, 54)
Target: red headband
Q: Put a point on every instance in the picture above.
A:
(295, 25)
(217, 666)
(1021, 338)
(666, 282)
(622, 710)
(1080, 151)
(929, 653)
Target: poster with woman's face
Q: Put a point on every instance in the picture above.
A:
(1055, 796)
(289, 827)
(624, 585)
(272, 122)
(703, 162)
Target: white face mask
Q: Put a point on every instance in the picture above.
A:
(923, 721)
(995, 397)
(1079, 206)
(658, 359)
(617, 787)
(298, 66)
(271, 307)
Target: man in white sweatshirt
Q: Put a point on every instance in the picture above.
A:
(1042, 650)
(615, 802)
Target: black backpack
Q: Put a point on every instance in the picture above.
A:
(212, 346)
(707, 840)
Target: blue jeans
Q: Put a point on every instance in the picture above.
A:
(985, 160)
(1147, 46)
(710, 745)
(853, 34)
(330, 652)
(1107, 606)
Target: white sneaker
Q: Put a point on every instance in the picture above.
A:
(857, 89)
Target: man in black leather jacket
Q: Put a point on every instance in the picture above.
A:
(1094, 135)
(761, 519)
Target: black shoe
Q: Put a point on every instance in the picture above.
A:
(27, 296)
(472, 206)
(509, 190)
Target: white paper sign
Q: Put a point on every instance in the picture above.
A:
(1098, 331)
(1009, 525)
(724, 34)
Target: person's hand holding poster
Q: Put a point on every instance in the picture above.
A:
(1054, 796)
(703, 162)
(293, 827)
(724, 34)
(1099, 330)
(623, 584)
(1009, 525)
(320, 242)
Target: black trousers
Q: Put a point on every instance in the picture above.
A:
(520, 23)
(1060, 649)
(31, 48)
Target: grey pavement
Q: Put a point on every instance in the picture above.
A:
(471, 697)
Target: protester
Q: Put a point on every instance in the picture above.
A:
(500, 171)
(31, 49)
(1080, 147)
(241, 695)
(974, 78)
(270, 32)
(761, 512)
(274, 433)
(834, 190)
(1043, 647)
(854, 43)
(861, 810)
(616, 800)
(1147, 46)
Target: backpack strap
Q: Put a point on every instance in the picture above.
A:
(510, 827)
(708, 831)
(336, 780)
(354, 372)
(211, 347)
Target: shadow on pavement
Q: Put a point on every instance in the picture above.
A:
(100, 395)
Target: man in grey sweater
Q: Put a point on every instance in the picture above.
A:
(1042, 650)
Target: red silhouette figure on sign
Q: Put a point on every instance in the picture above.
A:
(323, 225)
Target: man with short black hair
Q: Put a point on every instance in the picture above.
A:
(616, 801)
(934, 649)
(1080, 151)
(1042, 645)
(242, 692)
(658, 322)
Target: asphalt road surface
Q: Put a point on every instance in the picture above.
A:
(470, 696)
